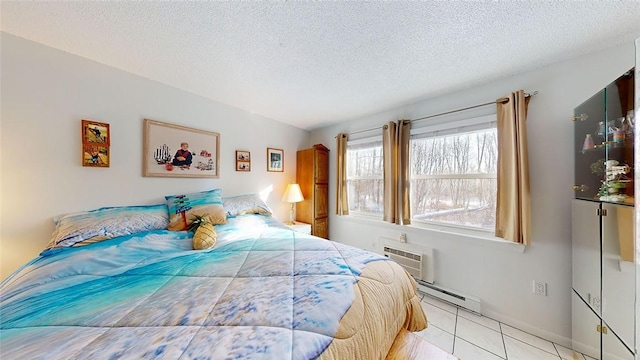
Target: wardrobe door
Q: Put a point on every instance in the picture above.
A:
(585, 221)
(322, 167)
(618, 271)
(613, 348)
(585, 336)
(322, 200)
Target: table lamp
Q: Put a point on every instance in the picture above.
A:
(292, 195)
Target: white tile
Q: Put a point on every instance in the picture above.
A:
(482, 320)
(466, 350)
(566, 353)
(440, 318)
(529, 339)
(587, 357)
(480, 335)
(437, 337)
(439, 303)
(518, 350)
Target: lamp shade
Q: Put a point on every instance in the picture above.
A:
(292, 194)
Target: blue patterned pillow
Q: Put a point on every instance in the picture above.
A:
(245, 204)
(87, 227)
(185, 207)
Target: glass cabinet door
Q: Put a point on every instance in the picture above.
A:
(618, 175)
(590, 136)
(603, 143)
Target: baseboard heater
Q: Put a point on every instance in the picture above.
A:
(453, 297)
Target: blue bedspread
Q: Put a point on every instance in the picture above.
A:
(263, 292)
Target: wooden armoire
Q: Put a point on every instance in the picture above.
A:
(312, 174)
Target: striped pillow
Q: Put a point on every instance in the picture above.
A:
(87, 227)
(184, 208)
(245, 204)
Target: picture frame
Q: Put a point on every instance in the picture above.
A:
(96, 139)
(95, 132)
(172, 150)
(243, 166)
(94, 155)
(242, 155)
(243, 160)
(275, 160)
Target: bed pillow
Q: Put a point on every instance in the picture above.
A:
(87, 227)
(245, 204)
(184, 208)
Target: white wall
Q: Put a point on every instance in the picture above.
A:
(46, 92)
(499, 273)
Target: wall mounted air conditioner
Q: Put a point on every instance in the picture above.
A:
(419, 262)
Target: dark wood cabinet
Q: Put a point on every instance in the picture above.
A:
(312, 174)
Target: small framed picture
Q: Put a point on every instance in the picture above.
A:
(243, 160)
(243, 166)
(95, 132)
(275, 159)
(95, 143)
(242, 155)
(95, 155)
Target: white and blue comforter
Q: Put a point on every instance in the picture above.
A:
(263, 292)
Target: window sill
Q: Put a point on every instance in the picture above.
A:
(467, 237)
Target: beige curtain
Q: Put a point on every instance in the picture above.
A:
(390, 173)
(342, 204)
(395, 146)
(513, 208)
(404, 135)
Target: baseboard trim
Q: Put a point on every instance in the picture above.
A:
(546, 335)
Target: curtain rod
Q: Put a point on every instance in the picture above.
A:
(526, 95)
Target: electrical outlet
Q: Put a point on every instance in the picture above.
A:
(595, 302)
(540, 288)
(403, 237)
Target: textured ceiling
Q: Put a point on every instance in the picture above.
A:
(314, 63)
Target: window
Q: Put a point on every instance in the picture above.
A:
(365, 176)
(453, 177)
(453, 174)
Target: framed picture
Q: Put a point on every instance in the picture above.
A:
(95, 155)
(243, 166)
(243, 160)
(179, 151)
(242, 155)
(275, 159)
(95, 132)
(95, 143)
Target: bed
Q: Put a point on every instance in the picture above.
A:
(263, 291)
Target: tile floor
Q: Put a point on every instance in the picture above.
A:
(473, 337)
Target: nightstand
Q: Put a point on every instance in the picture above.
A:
(301, 228)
